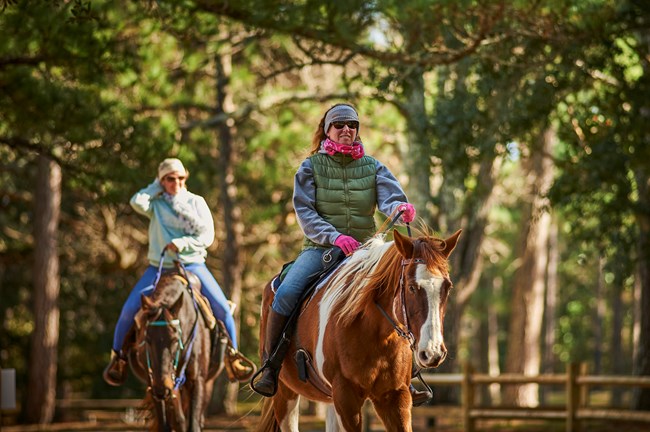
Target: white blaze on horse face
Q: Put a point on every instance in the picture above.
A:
(431, 347)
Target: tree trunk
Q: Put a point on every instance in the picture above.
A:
(550, 314)
(642, 366)
(617, 330)
(523, 351)
(41, 387)
(598, 317)
(493, 340)
(226, 395)
(418, 156)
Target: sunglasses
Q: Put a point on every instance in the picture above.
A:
(350, 124)
(172, 179)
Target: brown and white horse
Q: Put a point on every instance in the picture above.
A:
(361, 330)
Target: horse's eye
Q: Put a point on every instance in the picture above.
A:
(412, 288)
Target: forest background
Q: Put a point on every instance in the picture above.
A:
(525, 123)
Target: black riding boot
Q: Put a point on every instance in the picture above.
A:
(267, 384)
(115, 372)
(419, 397)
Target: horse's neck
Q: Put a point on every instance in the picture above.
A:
(391, 306)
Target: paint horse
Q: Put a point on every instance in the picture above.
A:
(172, 353)
(357, 336)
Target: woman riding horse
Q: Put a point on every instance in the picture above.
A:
(359, 332)
(180, 221)
(336, 191)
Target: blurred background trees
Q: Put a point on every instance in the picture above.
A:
(524, 123)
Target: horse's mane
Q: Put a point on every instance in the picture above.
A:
(375, 269)
(164, 296)
(166, 293)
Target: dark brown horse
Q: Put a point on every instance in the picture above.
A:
(356, 338)
(172, 354)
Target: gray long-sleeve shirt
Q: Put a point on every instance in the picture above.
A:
(389, 196)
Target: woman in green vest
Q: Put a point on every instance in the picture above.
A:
(336, 192)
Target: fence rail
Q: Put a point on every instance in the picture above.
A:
(576, 408)
(573, 412)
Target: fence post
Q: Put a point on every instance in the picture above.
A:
(584, 389)
(572, 397)
(467, 389)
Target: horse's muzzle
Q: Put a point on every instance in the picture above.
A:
(161, 394)
(426, 359)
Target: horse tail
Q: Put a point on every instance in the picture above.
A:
(267, 422)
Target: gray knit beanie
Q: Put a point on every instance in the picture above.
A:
(340, 113)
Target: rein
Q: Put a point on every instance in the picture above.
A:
(408, 334)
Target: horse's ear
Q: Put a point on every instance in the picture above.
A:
(450, 243)
(141, 317)
(404, 244)
(146, 302)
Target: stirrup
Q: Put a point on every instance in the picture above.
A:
(422, 397)
(254, 380)
(234, 375)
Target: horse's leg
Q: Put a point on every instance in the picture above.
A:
(394, 409)
(348, 405)
(196, 405)
(160, 424)
(332, 420)
(286, 408)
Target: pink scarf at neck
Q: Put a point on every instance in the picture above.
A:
(355, 150)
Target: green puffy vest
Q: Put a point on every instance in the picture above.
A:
(346, 194)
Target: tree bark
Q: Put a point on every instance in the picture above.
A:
(493, 340)
(418, 157)
(226, 394)
(550, 314)
(41, 387)
(642, 363)
(617, 331)
(598, 317)
(523, 351)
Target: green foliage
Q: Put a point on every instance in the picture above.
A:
(110, 88)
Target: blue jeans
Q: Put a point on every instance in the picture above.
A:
(209, 288)
(307, 264)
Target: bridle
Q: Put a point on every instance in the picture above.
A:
(406, 334)
(184, 348)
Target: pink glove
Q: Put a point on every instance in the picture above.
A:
(346, 243)
(409, 212)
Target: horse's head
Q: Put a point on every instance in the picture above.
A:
(163, 343)
(425, 286)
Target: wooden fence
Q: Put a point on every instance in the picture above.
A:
(576, 385)
(574, 410)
